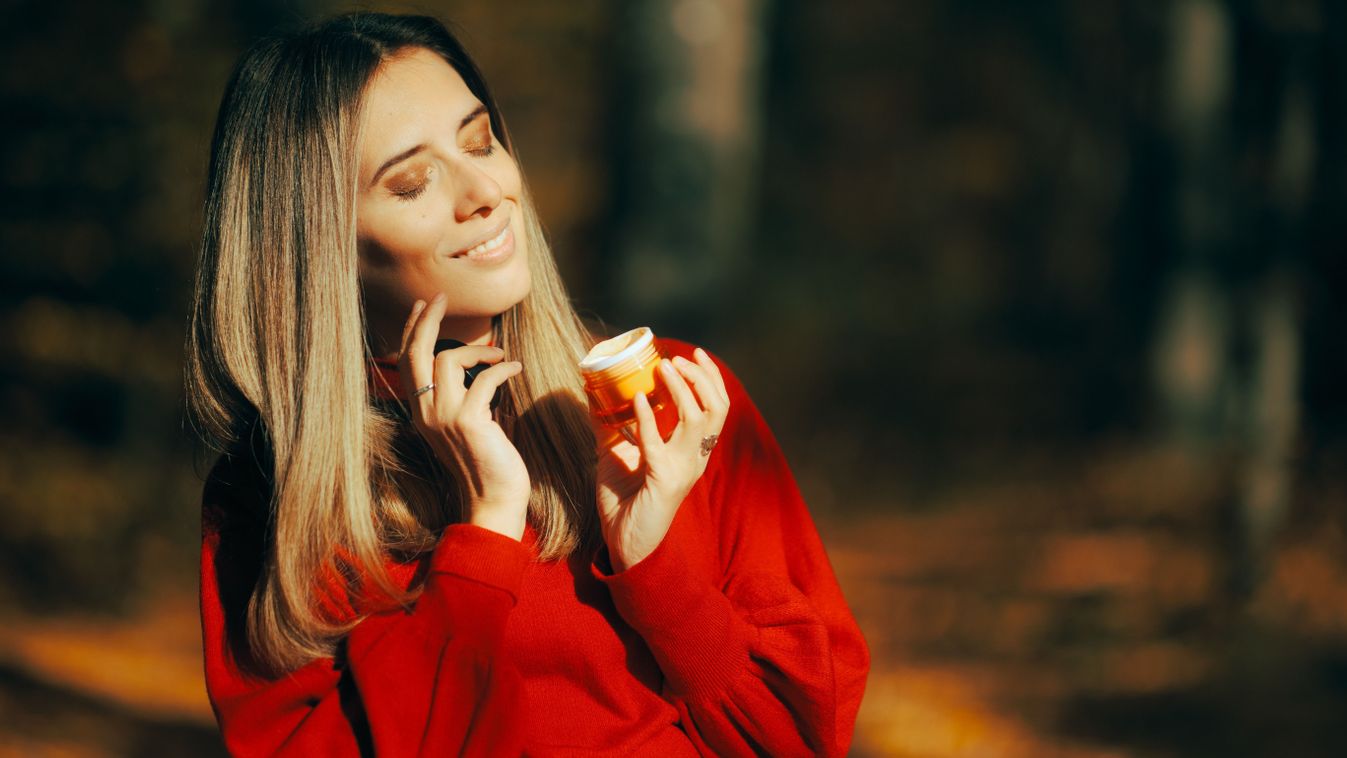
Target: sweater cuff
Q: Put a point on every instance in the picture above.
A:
(690, 626)
(473, 552)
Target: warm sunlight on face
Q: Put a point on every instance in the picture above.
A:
(438, 207)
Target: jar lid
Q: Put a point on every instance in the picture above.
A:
(612, 351)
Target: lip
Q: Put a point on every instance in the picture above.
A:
(508, 241)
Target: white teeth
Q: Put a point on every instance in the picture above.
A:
(490, 244)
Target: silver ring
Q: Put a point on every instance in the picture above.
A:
(423, 390)
(708, 442)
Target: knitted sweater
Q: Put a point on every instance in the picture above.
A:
(732, 638)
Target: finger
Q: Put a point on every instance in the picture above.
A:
(689, 412)
(707, 393)
(647, 431)
(417, 307)
(468, 356)
(449, 389)
(484, 386)
(704, 360)
(410, 375)
(421, 350)
(717, 408)
(404, 352)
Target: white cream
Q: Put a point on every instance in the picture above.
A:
(610, 351)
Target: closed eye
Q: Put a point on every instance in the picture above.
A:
(411, 193)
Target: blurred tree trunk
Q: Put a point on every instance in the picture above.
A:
(1228, 347)
(1191, 370)
(1289, 35)
(688, 160)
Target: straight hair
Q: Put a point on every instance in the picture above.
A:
(278, 353)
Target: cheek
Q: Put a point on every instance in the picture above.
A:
(399, 236)
(508, 177)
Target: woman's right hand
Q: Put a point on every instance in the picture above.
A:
(457, 421)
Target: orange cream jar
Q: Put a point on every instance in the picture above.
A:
(615, 370)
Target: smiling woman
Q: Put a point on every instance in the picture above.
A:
(394, 563)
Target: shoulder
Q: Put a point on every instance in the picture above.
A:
(671, 347)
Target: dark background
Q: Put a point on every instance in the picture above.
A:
(1040, 299)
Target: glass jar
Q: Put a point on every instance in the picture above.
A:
(615, 370)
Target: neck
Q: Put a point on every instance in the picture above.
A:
(469, 331)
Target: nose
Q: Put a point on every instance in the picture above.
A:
(476, 193)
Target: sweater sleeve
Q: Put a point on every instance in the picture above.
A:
(428, 681)
(742, 610)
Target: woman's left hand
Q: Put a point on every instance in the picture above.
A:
(640, 488)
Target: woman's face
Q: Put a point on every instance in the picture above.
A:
(438, 207)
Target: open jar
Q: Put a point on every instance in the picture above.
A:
(615, 370)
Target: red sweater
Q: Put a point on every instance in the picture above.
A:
(732, 638)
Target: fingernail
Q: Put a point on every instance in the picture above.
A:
(680, 360)
(700, 353)
(439, 298)
(666, 368)
(418, 305)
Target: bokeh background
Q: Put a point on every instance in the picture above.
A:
(1041, 299)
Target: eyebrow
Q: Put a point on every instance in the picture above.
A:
(409, 152)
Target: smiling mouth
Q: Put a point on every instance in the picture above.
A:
(482, 248)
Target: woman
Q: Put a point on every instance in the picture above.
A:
(395, 564)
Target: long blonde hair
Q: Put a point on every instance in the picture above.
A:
(277, 343)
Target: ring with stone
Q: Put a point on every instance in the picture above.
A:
(708, 442)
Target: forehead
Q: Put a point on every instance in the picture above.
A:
(411, 96)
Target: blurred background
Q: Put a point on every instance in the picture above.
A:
(1038, 298)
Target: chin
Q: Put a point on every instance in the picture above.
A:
(501, 306)
(502, 299)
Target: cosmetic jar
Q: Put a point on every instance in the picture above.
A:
(615, 370)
